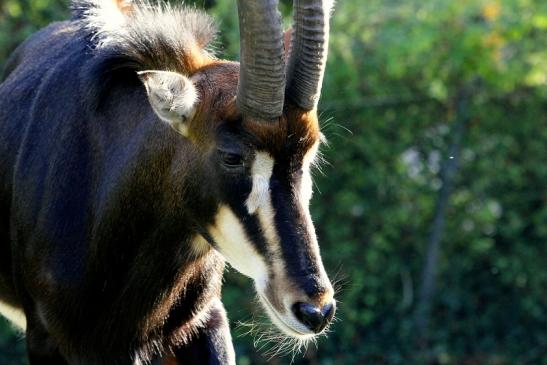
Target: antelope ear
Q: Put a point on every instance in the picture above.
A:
(172, 96)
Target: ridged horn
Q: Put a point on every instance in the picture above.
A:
(261, 88)
(308, 55)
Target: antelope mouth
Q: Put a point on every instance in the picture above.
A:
(286, 324)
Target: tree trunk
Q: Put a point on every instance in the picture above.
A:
(447, 174)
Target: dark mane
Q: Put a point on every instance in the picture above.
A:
(144, 36)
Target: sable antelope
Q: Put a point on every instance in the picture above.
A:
(133, 164)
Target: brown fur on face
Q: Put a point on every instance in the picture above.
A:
(215, 84)
(294, 132)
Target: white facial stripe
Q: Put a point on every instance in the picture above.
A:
(306, 187)
(305, 194)
(260, 202)
(14, 315)
(233, 243)
(261, 172)
(266, 214)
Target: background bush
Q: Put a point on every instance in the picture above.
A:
(431, 210)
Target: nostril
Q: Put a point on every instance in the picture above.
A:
(313, 317)
(309, 315)
(328, 312)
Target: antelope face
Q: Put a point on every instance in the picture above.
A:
(263, 226)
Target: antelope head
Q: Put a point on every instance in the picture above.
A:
(256, 124)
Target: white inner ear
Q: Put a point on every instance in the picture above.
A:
(173, 97)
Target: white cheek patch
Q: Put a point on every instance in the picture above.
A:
(261, 173)
(233, 243)
(14, 315)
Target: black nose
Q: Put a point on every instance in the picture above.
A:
(315, 318)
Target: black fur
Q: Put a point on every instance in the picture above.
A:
(100, 201)
(101, 206)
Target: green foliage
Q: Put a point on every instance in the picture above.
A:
(396, 70)
(12, 349)
(20, 18)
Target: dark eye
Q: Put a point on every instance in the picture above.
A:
(231, 160)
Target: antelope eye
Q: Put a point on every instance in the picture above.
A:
(231, 160)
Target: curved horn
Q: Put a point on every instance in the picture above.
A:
(309, 50)
(261, 88)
